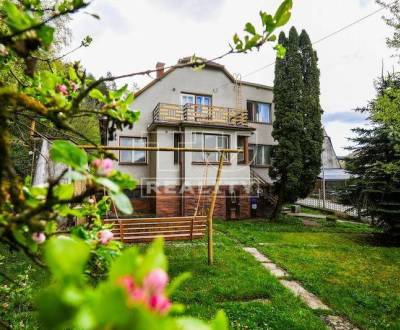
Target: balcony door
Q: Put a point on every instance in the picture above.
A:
(201, 103)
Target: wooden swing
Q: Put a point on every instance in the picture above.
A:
(171, 228)
(140, 230)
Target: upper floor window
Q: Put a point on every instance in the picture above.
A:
(209, 141)
(199, 101)
(132, 156)
(259, 112)
(260, 155)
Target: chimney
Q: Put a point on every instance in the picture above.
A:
(160, 69)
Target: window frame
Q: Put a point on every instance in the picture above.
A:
(132, 151)
(201, 162)
(254, 105)
(253, 160)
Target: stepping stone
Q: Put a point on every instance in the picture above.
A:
(335, 322)
(256, 254)
(308, 215)
(275, 270)
(310, 299)
(309, 223)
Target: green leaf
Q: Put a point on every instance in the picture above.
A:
(250, 28)
(110, 185)
(118, 93)
(281, 13)
(16, 19)
(66, 257)
(220, 322)
(72, 74)
(280, 51)
(177, 281)
(125, 264)
(46, 34)
(96, 94)
(67, 153)
(121, 202)
(153, 258)
(190, 323)
(283, 19)
(64, 191)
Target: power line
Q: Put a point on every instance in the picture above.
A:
(324, 37)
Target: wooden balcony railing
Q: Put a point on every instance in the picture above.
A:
(195, 113)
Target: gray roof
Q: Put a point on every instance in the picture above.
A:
(334, 174)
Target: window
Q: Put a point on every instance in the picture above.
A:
(260, 155)
(213, 141)
(259, 112)
(132, 156)
(200, 101)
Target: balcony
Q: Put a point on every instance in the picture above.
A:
(199, 114)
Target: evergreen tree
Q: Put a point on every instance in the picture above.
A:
(313, 136)
(375, 161)
(288, 124)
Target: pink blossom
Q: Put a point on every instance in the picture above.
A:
(105, 236)
(74, 86)
(127, 282)
(138, 295)
(38, 237)
(62, 89)
(156, 281)
(103, 166)
(159, 303)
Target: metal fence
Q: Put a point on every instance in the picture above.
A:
(328, 205)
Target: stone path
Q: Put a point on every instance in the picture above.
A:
(312, 301)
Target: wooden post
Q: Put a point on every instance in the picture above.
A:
(211, 210)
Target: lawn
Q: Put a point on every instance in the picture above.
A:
(342, 264)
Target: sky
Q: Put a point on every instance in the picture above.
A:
(133, 35)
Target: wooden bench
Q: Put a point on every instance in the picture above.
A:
(138, 230)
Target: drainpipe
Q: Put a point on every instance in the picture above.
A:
(182, 170)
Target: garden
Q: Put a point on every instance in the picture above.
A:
(344, 264)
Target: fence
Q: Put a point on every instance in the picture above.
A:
(328, 205)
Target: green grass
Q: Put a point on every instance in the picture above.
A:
(342, 264)
(237, 283)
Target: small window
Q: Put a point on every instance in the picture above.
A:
(209, 141)
(260, 155)
(132, 156)
(259, 112)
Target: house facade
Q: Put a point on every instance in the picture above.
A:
(209, 108)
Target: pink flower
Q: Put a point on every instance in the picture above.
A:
(127, 283)
(62, 89)
(38, 237)
(74, 86)
(103, 166)
(105, 236)
(159, 303)
(156, 281)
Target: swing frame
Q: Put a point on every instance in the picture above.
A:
(210, 213)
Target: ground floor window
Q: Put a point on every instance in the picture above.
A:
(213, 141)
(260, 154)
(132, 156)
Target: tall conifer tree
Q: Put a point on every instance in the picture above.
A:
(313, 136)
(288, 124)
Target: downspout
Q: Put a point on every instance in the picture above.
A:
(182, 170)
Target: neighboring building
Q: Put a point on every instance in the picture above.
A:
(332, 172)
(207, 108)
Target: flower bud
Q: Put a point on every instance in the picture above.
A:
(156, 281)
(38, 237)
(105, 236)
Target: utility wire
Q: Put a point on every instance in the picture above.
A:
(323, 38)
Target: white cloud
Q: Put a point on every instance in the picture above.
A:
(134, 35)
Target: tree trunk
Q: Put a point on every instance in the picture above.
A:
(279, 202)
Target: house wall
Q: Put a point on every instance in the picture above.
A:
(208, 81)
